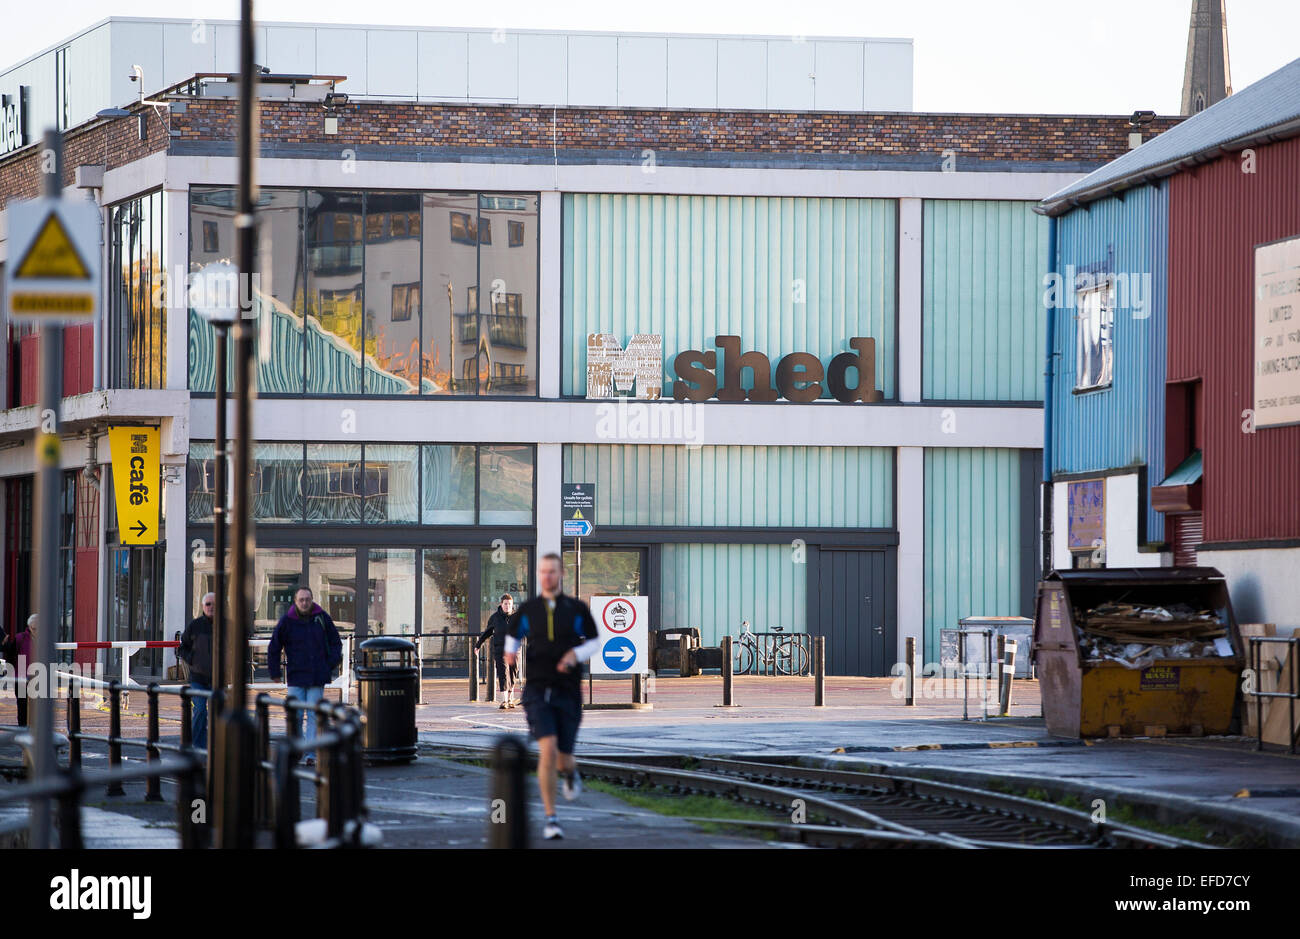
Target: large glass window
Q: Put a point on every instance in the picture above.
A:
(277, 482)
(378, 293)
(448, 497)
(332, 576)
(392, 483)
(392, 294)
(277, 574)
(502, 572)
(391, 609)
(333, 482)
(605, 572)
(506, 485)
(137, 311)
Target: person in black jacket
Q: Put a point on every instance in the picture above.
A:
(196, 651)
(311, 644)
(496, 631)
(561, 634)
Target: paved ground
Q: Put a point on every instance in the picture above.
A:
(434, 802)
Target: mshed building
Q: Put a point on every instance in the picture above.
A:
(836, 301)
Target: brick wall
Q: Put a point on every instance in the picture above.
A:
(286, 125)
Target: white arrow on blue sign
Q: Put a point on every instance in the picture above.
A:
(576, 528)
(619, 654)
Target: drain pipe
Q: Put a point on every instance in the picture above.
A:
(1049, 376)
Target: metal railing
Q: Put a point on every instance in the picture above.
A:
(772, 653)
(1291, 693)
(338, 775)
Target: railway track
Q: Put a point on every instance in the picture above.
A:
(841, 808)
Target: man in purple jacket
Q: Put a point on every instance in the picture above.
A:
(312, 646)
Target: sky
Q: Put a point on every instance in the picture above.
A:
(1030, 56)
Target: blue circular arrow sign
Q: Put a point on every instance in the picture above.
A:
(619, 654)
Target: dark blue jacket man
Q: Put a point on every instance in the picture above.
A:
(312, 646)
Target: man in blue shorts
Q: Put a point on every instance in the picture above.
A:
(561, 634)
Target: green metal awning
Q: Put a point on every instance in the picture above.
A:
(1186, 472)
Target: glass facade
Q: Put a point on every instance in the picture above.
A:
(381, 293)
(377, 484)
(136, 276)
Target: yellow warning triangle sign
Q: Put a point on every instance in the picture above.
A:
(577, 514)
(52, 255)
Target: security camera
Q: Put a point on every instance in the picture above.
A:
(134, 77)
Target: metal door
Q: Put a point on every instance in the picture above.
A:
(856, 611)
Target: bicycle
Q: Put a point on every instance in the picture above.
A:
(787, 656)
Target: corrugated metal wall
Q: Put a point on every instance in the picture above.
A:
(972, 537)
(773, 487)
(715, 586)
(983, 264)
(694, 267)
(1216, 217)
(1123, 425)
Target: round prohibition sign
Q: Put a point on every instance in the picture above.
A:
(619, 615)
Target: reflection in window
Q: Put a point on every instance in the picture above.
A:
(277, 482)
(333, 482)
(506, 483)
(509, 575)
(200, 482)
(391, 607)
(448, 497)
(445, 607)
(506, 359)
(605, 573)
(392, 483)
(392, 282)
(335, 320)
(332, 576)
(1096, 324)
(137, 314)
(277, 574)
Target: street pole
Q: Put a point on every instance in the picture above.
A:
(219, 553)
(46, 532)
(234, 828)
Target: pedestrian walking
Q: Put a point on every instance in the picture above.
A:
(21, 660)
(196, 652)
(561, 634)
(507, 675)
(312, 648)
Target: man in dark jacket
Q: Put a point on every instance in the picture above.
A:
(196, 651)
(496, 631)
(312, 646)
(561, 634)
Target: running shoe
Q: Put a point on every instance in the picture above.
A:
(572, 786)
(552, 831)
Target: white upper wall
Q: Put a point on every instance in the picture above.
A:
(468, 65)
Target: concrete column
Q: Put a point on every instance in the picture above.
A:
(911, 551)
(176, 213)
(549, 480)
(548, 307)
(909, 299)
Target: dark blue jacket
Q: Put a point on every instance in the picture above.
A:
(311, 645)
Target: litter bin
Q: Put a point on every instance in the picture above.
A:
(1137, 652)
(388, 688)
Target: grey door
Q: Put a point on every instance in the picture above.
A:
(856, 611)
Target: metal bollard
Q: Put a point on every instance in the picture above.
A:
(288, 803)
(508, 811)
(819, 671)
(187, 788)
(115, 737)
(473, 673)
(153, 784)
(684, 653)
(910, 655)
(727, 666)
(70, 811)
(638, 688)
(74, 726)
(1007, 657)
(264, 797)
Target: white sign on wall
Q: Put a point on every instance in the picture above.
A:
(1277, 333)
(621, 624)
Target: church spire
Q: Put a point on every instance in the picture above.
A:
(1207, 78)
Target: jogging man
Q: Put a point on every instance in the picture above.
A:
(561, 634)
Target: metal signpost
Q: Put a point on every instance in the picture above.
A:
(53, 277)
(578, 521)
